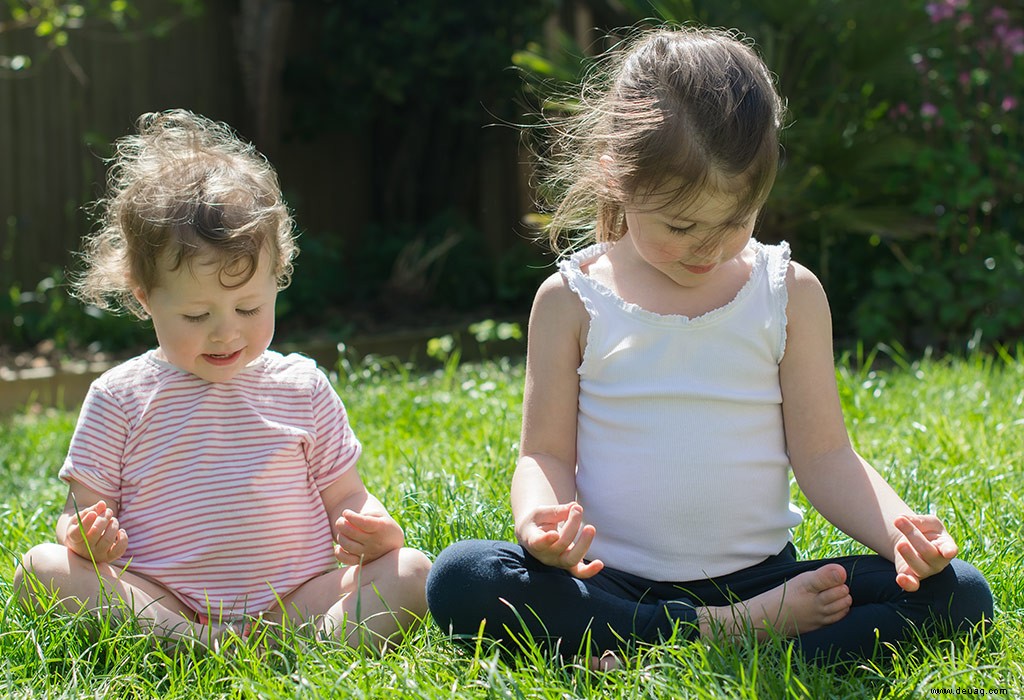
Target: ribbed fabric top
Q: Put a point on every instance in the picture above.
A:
(681, 453)
(218, 484)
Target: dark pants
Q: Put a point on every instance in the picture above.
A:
(503, 586)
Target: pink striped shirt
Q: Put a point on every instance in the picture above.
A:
(218, 484)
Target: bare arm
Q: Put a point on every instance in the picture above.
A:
(548, 521)
(837, 481)
(362, 527)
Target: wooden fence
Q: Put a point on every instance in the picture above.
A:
(58, 119)
(56, 124)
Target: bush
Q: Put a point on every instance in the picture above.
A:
(901, 159)
(965, 279)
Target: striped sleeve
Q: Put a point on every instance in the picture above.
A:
(97, 447)
(335, 448)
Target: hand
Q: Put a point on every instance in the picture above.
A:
(924, 549)
(363, 537)
(95, 534)
(556, 536)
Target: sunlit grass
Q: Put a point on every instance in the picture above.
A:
(439, 449)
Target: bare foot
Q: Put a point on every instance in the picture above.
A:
(802, 604)
(608, 661)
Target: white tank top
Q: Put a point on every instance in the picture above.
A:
(681, 452)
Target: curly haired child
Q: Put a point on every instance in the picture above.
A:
(213, 481)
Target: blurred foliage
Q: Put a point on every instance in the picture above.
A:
(53, 22)
(965, 281)
(901, 183)
(878, 197)
(47, 316)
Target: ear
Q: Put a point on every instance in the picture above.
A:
(140, 296)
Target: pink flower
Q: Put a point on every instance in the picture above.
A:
(965, 79)
(1009, 103)
(929, 111)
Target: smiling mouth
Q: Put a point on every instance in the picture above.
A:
(222, 359)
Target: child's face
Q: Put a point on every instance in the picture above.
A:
(207, 329)
(688, 243)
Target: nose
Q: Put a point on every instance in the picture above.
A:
(225, 330)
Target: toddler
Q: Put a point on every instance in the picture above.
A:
(212, 481)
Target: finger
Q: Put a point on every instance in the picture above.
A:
(79, 526)
(570, 529)
(109, 535)
(345, 557)
(354, 545)
(917, 565)
(948, 549)
(539, 542)
(922, 545)
(587, 570)
(908, 582)
(367, 522)
(926, 522)
(574, 555)
(120, 545)
(348, 536)
(553, 514)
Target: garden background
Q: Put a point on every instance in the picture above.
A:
(393, 127)
(391, 123)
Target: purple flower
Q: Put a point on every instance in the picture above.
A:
(929, 111)
(1009, 103)
(998, 15)
(944, 9)
(938, 11)
(1011, 39)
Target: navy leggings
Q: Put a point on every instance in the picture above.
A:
(502, 586)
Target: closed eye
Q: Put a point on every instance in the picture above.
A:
(686, 229)
(249, 312)
(195, 319)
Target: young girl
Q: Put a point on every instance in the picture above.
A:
(676, 370)
(211, 480)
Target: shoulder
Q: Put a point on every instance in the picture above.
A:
(139, 376)
(808, 317)
(291, 375)
(291, 368)
(804, 289)
(555, 300)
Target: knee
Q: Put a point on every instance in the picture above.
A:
(965, 597)
(40, 566)
(462, 583)
(413, 566)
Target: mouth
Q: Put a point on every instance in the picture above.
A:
(222, 359)
(700, 269)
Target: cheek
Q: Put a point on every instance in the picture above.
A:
(667, 250)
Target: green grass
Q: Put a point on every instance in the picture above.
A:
(439, 451)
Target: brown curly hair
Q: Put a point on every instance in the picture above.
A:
(181, 187)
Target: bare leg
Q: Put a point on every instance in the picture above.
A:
(364, 605)
(53, 572)
(805, 603)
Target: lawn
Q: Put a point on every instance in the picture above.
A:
(439, 450)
